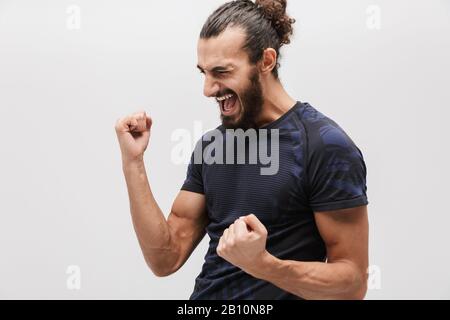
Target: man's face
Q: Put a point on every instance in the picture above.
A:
(231, 79)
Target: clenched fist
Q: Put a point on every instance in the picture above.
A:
(243, 243)
(133, 132)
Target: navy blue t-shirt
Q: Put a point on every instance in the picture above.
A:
(320, 169)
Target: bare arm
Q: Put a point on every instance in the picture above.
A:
(343, 276)
(165, 244)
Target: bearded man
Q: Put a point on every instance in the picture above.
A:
(301, 233)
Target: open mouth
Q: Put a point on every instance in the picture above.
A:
(228, 103)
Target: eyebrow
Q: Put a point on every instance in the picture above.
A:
(217, 68)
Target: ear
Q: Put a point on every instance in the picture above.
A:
(268, 61)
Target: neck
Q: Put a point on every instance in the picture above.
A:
(276, 101)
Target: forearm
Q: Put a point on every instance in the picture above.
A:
(313, 280)
(150, 225)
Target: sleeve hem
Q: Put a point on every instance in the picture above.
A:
(342, 204)
(192, 188)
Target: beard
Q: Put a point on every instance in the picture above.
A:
(251, 102)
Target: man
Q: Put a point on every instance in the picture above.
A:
(299, 233)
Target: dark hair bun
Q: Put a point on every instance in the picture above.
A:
(275, 11)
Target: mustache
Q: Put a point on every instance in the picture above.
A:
(228, 91)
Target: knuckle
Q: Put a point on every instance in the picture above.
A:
(140, 114)
(119, 124)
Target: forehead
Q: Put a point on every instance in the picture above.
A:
(224, 49)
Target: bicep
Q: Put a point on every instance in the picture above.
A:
(345, 233)
(187, 222)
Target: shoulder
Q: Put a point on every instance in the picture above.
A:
(324, 135)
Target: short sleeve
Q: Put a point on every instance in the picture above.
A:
(194, 180)
(336, 169)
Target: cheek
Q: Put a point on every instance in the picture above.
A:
(237, 84)
(233, 87)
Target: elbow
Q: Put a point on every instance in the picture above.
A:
(161, 273)
(160, 270)
(163, 261)
(357, 288)
(361, 286)
(360, 292)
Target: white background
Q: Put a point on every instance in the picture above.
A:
(63, 197)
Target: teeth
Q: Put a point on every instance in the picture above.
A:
(228, 96)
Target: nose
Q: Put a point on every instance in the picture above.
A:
(210, 88)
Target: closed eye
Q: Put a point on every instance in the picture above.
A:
(221, 73)
(217, 73)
